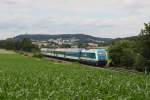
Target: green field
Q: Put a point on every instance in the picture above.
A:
(26, 78)
(2, 51)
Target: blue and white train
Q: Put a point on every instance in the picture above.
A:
(93, 56)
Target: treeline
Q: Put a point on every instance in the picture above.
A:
(133, 53)
(18, 45)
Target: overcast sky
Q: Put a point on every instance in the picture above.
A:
(102, 18)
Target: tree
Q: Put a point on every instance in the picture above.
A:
(145, 40)
(123, 52)
(145, 45)
(17, 45)
(26, 45)
(9, 44)
(82, 45)
(2, 44)
(139, 62)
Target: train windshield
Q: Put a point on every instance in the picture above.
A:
(102, 55)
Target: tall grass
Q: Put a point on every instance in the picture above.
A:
(27, 78)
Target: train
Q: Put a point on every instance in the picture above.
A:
(91, 56)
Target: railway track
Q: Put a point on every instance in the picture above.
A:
(60, 60)
(57, 60)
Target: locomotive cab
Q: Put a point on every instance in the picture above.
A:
(102, 56)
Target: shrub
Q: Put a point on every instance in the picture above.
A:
(127, 58)
(37, 55)
(122, 53)
(139, 62)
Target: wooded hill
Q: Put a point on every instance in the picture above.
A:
(81, 38)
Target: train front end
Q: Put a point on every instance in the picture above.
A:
(102, 56)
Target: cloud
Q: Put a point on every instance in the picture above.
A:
(103, 18)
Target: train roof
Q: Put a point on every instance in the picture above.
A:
(75, 50)
(101, 50)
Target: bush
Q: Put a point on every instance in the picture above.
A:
(139, 62)
(37, 55)
(122, 53)
(133, 53)
(147, 66)
(18, 45)
(127, 58)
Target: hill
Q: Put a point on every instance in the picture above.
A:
(132, 38)
(82, 38)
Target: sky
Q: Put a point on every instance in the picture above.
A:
(100, 18)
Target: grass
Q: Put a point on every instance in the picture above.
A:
(27, 78)
(2, 51)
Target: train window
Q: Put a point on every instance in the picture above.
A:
(92, 55)
(88, 55)
(83, 54)
(101, 54)
(74, 54)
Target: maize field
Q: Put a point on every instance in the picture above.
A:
(27, 78)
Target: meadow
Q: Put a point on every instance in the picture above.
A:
(27, 78)
(2, 51)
